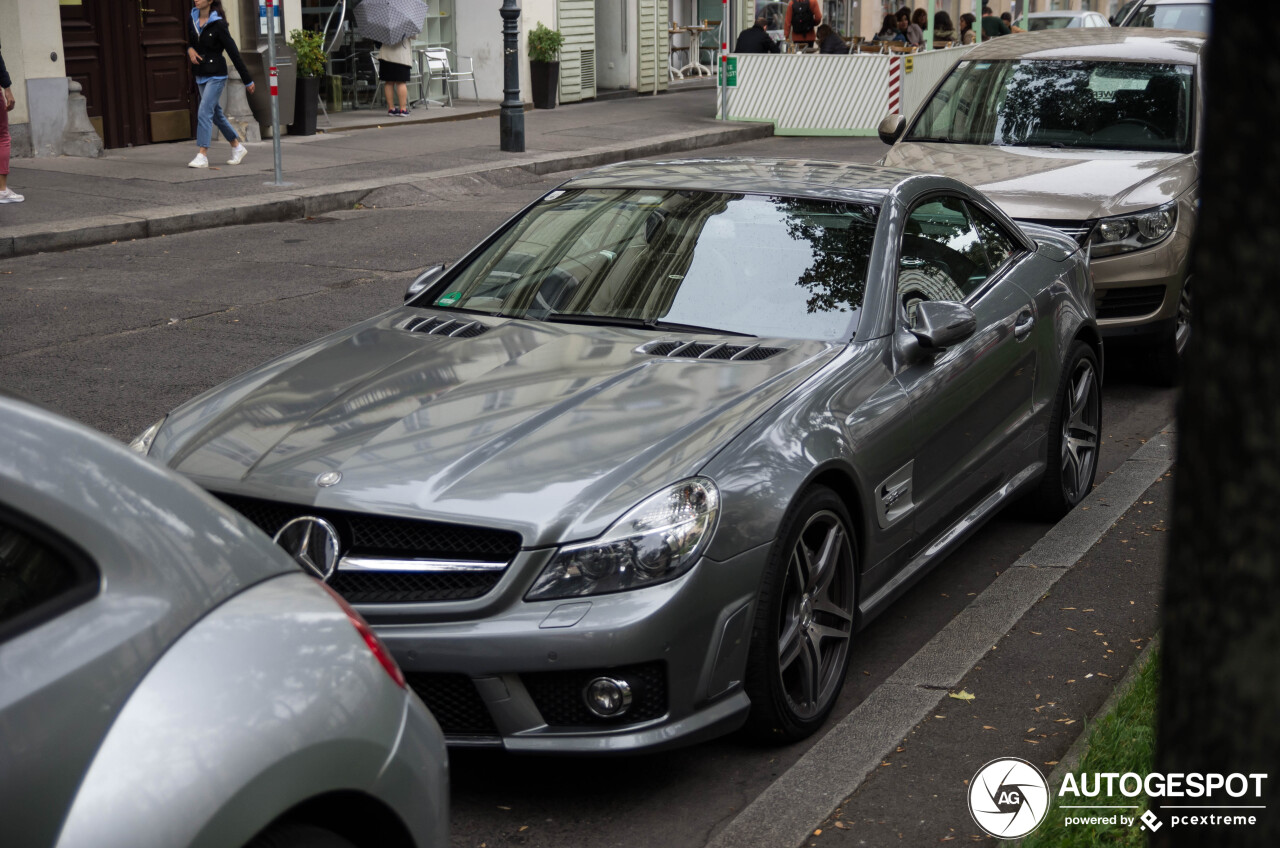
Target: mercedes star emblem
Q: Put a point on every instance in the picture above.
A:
(313, 543)
(329, 478)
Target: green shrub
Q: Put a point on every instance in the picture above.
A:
(544, 43)
(309, 48)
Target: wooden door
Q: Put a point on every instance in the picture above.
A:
(129, 56)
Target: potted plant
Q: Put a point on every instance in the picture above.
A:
(308, 47)
(544, 65)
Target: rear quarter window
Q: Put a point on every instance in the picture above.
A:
(42, 575)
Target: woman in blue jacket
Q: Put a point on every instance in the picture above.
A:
(208, 38)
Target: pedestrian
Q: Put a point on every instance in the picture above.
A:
(756, 39)
(943, 28)
(829, 41)
(967, 35)
(1008, 20)
(208, 38)
(800, 22)
(991, 25)
(394, 64)
(911, 33)
(7, 195)
(889, 30)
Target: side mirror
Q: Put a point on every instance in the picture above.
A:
(424, 281)
(941, 323)
(891, 128)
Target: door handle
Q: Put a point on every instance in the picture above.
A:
(1022, 327)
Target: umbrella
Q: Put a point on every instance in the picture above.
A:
(390, 21)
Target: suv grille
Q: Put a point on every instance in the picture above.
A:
(1078, 230)
(1129, 303)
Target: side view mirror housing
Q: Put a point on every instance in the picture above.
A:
(941, 323)
(891, 128)
(424, 281)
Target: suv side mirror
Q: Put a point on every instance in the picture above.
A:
(424, 281)
(891, 128)
(942, 323)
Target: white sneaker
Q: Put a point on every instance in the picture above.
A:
(10, 196)
(237, 154)
(201, 161)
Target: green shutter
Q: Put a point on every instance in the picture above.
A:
(577, 20)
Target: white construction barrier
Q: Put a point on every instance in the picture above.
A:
(816, 94)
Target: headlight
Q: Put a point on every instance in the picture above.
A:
(142, 444)
(1133, 232)
(657, 541)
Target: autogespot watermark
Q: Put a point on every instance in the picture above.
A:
(1009, 798)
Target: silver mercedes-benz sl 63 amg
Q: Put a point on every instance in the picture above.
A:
(634, 471)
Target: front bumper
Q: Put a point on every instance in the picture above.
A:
(514, 677)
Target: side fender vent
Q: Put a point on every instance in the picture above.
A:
(703, 350)
(435, 326)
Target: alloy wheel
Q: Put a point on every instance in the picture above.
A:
(1182, 326)
(816, 619)
(1081, 423)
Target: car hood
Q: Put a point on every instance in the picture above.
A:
(551, 430)
(1052, 184)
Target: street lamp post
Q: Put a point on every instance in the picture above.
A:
(511, 116)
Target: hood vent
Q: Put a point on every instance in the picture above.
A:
(702, 350)
(436, 326)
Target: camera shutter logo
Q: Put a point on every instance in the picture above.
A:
(1008, 797)
(313, 544)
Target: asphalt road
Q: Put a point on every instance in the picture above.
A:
(117, 335)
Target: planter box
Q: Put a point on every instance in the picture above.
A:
(544, 78)
(305, 104)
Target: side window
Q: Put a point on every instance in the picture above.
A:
(942, 255)
(40, 576)
(999, 244)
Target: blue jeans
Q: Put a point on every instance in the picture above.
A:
(211, 113)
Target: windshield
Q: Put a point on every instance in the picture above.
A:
(1058, 22)
(746, 264)
(1192, 16)
(1101, 105)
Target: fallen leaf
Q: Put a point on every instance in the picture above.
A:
(818, 832)
(842, 825)
(1036, 632)
(1066, 608)
(1051, 763)
(1087, 676)
(962, 695)
(1072, 629)
(522, 828)
(987, 727)
(500, 807)
(1032, 741)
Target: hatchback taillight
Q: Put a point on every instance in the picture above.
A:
(376, 645)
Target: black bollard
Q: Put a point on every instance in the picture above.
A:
(511, 116)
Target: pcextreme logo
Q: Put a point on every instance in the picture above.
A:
(1009, 798)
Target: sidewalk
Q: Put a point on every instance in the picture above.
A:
(439, 151)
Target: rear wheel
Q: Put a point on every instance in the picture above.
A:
(1075, 430)
(804, 621)
(1170, 350)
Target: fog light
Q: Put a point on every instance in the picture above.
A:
(607, 697)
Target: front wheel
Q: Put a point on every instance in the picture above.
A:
(804, 621)
(1075, 433)
(1172, 348)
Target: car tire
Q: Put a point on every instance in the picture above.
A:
(799, 651)
(1075, 434)
(1167, 365)
(297, 835)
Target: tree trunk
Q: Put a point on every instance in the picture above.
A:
(1220, 684)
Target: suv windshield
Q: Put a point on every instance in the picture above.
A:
(1192, 16)
(1108, 105)
(745, 264)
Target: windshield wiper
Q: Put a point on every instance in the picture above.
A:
(640, 323)
(940, 139)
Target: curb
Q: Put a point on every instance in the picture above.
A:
(293, 203)
(833, 769)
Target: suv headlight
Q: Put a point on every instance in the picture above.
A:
(656, 541)
(142, 444)
(1133, 232)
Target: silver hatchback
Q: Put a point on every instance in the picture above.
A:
(168, 677)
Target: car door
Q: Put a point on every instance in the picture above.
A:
(971, 403)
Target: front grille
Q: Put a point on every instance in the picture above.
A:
(455, 703)
(379, 536)
(558, 694)
(1129, 303)
(1078, 230)
(409, 587)
(703, 350)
